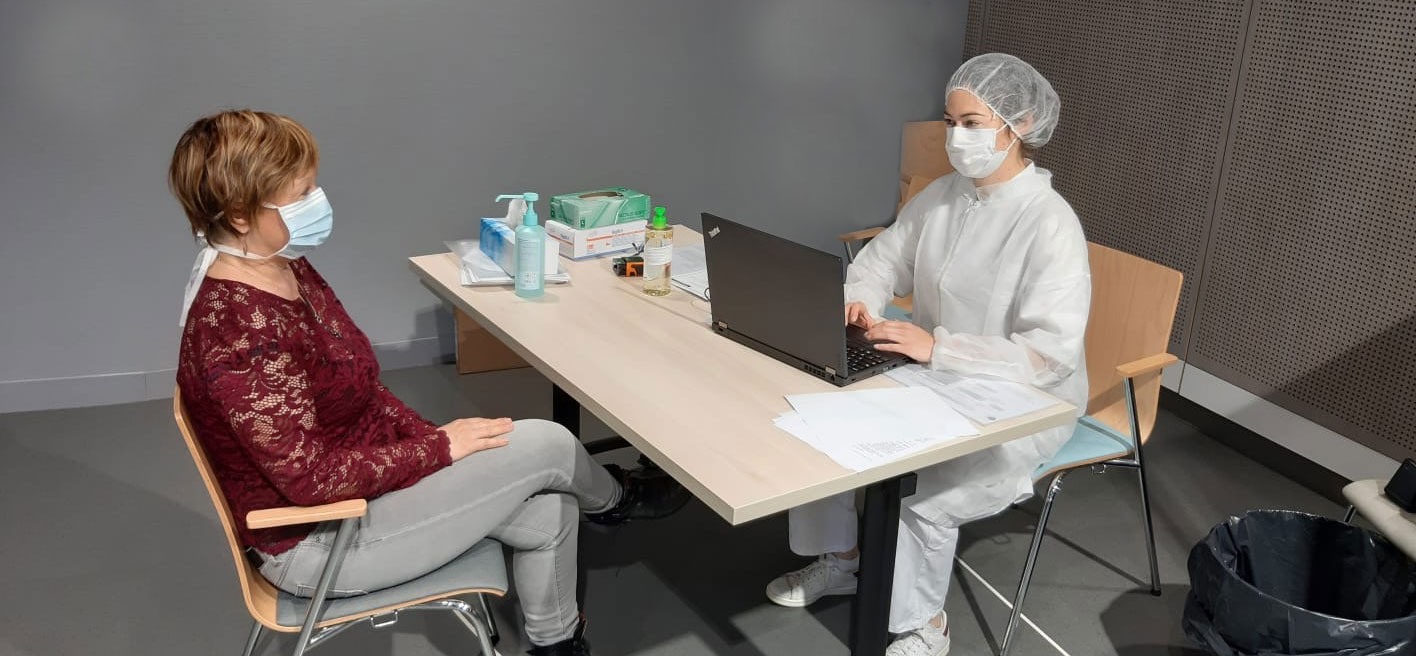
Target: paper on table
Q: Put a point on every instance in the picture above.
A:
(854, 456)
(983, 399)
(693, 283)
(690, 259)
(881, 415)
(479, 270)
(690, 270)
(867, 428)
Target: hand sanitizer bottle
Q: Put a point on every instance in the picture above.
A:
(658, 255)
(530, 251)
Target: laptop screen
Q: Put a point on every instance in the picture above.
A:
(777, 292)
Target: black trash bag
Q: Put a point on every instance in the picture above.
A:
(1281, 582)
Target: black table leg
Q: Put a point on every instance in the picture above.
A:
(879, 529)
(565, 410)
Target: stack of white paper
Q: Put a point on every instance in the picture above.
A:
(480, 270)
(690, 270)
(983, 399)
(864, 429)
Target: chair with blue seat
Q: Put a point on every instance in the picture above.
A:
(479, 571)
(1132, 312)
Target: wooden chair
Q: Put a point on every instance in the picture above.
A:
(1132, 312)
(479, 571)
(923, 159)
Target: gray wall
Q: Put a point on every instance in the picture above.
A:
(785, 113)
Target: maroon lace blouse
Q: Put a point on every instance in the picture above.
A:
(285, 397)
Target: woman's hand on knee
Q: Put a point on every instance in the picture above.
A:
(468, 436)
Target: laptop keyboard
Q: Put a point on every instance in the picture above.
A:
(860, 357)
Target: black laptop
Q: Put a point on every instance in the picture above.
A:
(787, 301)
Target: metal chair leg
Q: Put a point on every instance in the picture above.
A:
(1052, 491)
(1145, 490)
(486, 611)
(1351, 512)
(331, 570)
(1150, 532)
(253, 639)
(473, 621)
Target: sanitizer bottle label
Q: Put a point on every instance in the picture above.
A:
(528, 264)
(658, 255)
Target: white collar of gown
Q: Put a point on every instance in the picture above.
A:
(1026, 183)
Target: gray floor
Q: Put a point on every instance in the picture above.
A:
(111, 547)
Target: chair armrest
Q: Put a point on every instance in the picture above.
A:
(861, 235)
(1145, 366)
(291, 515)
(1371, 501)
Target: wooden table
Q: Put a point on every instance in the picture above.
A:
(701, 406)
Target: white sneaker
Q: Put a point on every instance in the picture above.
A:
(803, 587)
(927, 641)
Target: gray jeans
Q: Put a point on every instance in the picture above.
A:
(526, 495)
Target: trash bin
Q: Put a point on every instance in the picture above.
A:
(1282, 582)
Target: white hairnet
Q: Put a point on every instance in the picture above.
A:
(1015, 91)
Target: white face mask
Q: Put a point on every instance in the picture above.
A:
(972, 151)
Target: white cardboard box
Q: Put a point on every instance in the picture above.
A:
(579, 244)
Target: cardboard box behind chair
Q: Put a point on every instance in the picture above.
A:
(923, 158)
(479, 350)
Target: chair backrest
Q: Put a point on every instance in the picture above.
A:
(259, 594)
(1132, 311)
(923, 157)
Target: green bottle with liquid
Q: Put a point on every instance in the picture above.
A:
(658, 255)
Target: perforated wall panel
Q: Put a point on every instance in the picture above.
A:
(1310, 285)
(1146, 87)
(974, 28)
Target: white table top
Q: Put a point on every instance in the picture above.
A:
(698, 404)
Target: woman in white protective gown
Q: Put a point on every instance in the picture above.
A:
(997, 263)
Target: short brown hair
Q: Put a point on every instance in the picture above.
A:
(228, 163)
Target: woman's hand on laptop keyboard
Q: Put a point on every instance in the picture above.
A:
(902, 337)
(858, 315)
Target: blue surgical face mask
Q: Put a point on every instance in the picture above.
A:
(308, 220)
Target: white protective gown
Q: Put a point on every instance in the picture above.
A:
(1000, 276)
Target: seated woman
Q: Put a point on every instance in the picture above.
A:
(283, 390)
(997, 262)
